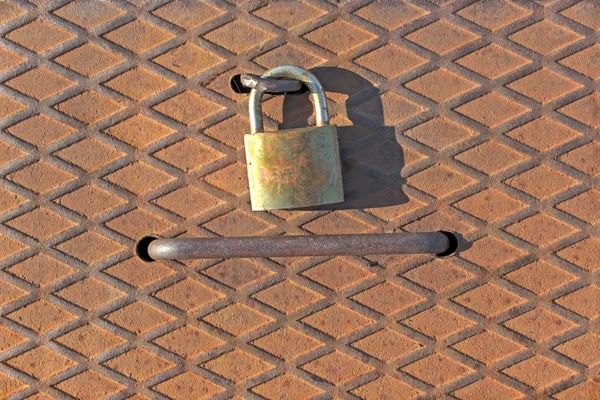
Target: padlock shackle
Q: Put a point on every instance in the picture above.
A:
(289, 72)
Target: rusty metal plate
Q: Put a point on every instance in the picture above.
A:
(117, 120)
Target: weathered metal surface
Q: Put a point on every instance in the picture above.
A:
(270, 85)
(293, 246)
(290, 72)
(108, 136)
(293, 168)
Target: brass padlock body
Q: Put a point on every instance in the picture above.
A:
(294, 168)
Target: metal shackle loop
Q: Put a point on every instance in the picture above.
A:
(289, 72)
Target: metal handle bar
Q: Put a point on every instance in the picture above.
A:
(440, 243)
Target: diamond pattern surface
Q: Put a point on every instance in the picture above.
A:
(539, 372)
(544, 86)
(492, 110)
(41, 224)
(288, 297)
(489, 300)
(440, 181)
(583, 254)
(541, 229)
(583, 301)
(237, 319)
(584, 158)
(9, 59)
(9, 107)
(90, 247)
(426, 369)
(139, 84)
(488, 388)
(584, 61)
(545, 37)
(139, 131)
(139, 317)
(90, 384)
(9, 11)
(441, 37)
(39, 36)
(397, 298)
(188, 60)
(89, 60)
(401, 61)
(40, 130)
(190, 384)
(438, 275)
(337, 368)
(543, 134)
(139, 364)
(237, 366)
(284, 385)
(90, 154)
(339, 36)
(88, 15)
(188, 14)
(90, 294)
(541, 277)
(187, 108)
(387, 345)
(391, 14)
(41, 363)
(139, 36)
(226, 36)
(438, 322)
(337, 321)
(488, 347)
(428, 85)
(40, 270)
(119, 121)
(41, 177)
(578, 110)
(540, 325)
(440, 133)
(542, 182)
(41, 316)
(90, 340)
(337, 273)
(188, 342)
(188, 295)
(504, 13)
(139, 178)
(493, 61)
(28, 83)
(89, 107)
(582, 349)
(287, 343)
(491, 157)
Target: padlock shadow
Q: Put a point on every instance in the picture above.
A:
(372, 159)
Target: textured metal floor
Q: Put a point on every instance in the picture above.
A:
(118, 121)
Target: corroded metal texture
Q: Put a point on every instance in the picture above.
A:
(294, 168)
(290, 72)
(117, 120)
(269, 85)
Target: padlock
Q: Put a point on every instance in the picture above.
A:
(293, 168)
